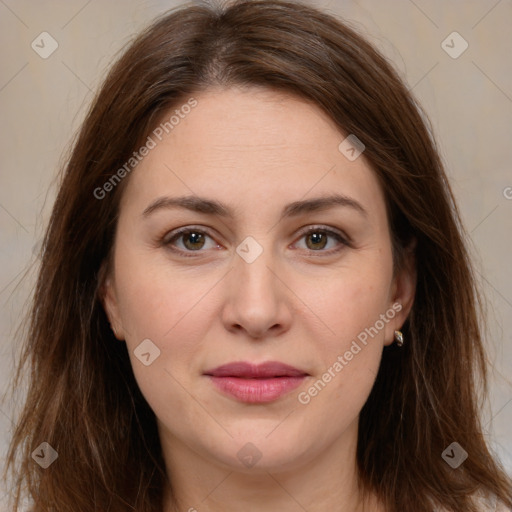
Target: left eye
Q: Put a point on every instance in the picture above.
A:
(317, 239)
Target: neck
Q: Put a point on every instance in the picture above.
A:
(327, 482)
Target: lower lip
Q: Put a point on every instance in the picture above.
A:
(256, 390)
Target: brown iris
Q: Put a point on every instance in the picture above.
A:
(319, 240)
(197, 240)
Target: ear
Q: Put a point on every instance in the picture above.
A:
(403, 290)
(108, 297)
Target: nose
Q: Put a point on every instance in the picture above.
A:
(257, 300)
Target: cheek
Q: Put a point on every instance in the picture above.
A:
(167, 309)
(349, 303)
(354, 309)
(333, 398)
(154, 299)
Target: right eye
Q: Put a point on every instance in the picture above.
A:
(192, 240)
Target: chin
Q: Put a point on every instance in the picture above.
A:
(251, 453)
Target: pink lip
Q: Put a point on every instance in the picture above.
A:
(256, 383)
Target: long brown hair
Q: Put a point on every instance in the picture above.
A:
(83, 398)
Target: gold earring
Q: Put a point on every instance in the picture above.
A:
(399, 338)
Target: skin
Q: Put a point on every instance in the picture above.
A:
(301, 302)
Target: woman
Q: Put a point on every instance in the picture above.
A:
(254, 291)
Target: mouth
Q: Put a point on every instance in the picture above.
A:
(261, 383)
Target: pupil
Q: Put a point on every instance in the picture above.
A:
(195, 238)
(318, 238)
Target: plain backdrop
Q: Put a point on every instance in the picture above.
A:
(468, 98)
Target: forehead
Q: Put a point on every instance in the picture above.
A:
(250, 147)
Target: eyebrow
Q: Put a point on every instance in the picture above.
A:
(213, 207)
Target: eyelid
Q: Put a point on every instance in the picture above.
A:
(343, 239)
(175, 234)
(326, 229)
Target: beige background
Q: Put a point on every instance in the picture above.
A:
(469, 100)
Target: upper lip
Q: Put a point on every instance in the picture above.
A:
(246, 370)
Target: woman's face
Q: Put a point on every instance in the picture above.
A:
(287, 259)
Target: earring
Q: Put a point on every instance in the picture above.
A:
(399, 338)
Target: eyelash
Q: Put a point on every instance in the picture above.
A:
(171, 237)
